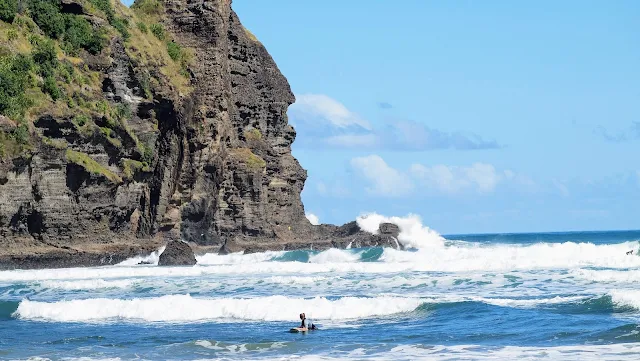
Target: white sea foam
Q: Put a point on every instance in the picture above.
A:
(446, 259)
(148, 259)
(412, 232)
(607, 276)
(295, 280)
(334, 255)
(626, 298)
(481, 353)
(432, 255)
(239, 348)
(87, 284)
(469, 257)
(614, 352)
(472, 352)
(180, 308)
(528, 303)
(236, 258)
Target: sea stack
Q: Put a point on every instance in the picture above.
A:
(177, 253)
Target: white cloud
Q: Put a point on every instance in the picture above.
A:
(322, 121)
(313, 219)
(319, 107)
(480, 177)
(484, 176)
(384, 180)
(521, 181)
(352, 140)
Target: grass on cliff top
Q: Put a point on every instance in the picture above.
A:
(15, 37)
(43, 74)
(65, 83)
(91, 166)
(153, 47)
(246, 157)
(46, 69)
(153, 53)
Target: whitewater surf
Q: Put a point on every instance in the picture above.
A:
(570, 296)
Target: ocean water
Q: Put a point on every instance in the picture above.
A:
(542, 296)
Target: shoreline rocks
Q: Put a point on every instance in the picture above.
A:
(177, 253)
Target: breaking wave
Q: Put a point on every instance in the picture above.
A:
(412, 232)
(185, 308)
(180, 308)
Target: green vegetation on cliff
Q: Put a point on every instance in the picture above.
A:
(245, 156)
(253, 134)
(8, 9)
(91, 166)
(75, 31)
(130, 167)
(14, 143)
(15, 77)
(43, 34)
(56, 58)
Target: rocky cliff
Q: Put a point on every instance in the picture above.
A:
(165, 121)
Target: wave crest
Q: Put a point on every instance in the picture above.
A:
(180, 308)
(413, 233)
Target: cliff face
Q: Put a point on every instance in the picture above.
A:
(123, 129)
(237, 176)
(205, 159)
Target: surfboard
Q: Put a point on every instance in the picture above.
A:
(298, 329)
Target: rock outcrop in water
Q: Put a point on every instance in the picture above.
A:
(177, 253)
(176, 129)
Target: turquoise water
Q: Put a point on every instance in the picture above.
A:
(562, 296)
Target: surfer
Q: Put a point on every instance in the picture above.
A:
(303, 318)
(630, 252)
(303, 325)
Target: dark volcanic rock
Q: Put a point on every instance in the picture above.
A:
(351, 235)
(177, 253)
(389, 229)
(238, 177)
(230, 246)
(389, 232)
(346, 230)
(6, 124)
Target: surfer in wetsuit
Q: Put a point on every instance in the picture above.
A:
(303, 318)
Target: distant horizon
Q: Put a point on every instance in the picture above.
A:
(545, 232)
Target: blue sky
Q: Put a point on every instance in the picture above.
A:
(479, 116)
